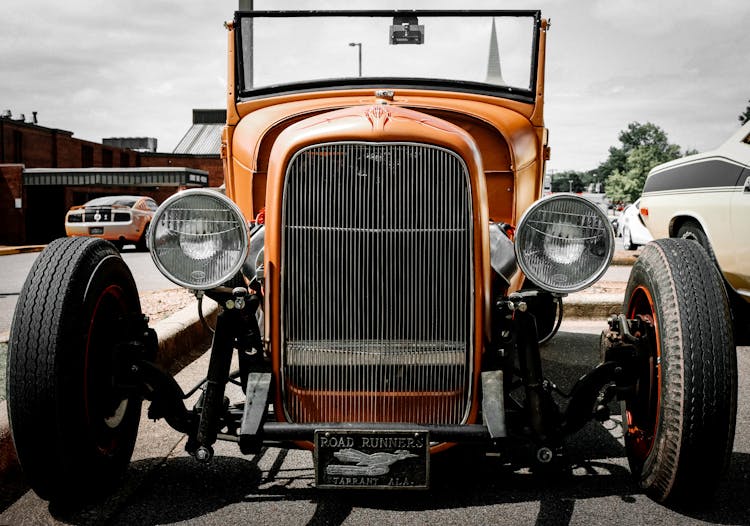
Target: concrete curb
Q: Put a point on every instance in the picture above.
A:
(592, 306)
(178, 334)
(624, 259)
(182, 332)
(7, 250)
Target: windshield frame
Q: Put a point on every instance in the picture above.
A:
(480, 88)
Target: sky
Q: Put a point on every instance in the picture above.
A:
(138, 68)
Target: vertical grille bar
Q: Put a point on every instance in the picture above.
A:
(377, 284)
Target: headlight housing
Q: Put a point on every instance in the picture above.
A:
(564, 243)
(198, 239)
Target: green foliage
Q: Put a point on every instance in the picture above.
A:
(573, 180)
(567, 181)
(643, 146)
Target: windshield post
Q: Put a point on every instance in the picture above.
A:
(541, 46)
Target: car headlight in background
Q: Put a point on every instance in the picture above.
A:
(198, 239)
(564, 243)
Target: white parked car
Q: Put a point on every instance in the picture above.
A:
(706, 198)
(631, 227)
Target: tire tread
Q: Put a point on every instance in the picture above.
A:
(39, 336)
(699, 371)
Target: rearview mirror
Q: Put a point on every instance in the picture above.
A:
(406, 30)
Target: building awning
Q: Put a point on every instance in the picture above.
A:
(143, 177)
(201, 139)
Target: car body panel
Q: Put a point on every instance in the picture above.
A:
(509, 142)
(383, 124)
(737, 271)
(708, 188)
(512, 148)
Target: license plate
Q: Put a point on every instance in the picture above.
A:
(372, 459)
(96, 230)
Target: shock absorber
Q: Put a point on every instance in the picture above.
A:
(228, 324)
(542, 411)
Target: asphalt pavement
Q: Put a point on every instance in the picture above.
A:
(16, 264)
(166, 486)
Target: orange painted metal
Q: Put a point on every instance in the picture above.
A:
(378, 123)
(413, 407)
(510, 145)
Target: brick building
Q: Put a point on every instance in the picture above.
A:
(44, 171)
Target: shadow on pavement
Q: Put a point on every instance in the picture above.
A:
(180, 489)
(175, 490)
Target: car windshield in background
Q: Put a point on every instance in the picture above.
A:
(490, 52)
(113, 201)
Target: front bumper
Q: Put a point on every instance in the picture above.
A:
(110, 231)
(466, 433)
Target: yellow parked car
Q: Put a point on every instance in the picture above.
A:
(121, 219)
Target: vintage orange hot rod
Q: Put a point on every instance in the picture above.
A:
(386, 271)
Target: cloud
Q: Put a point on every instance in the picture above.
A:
(113, 68)
(139, 67)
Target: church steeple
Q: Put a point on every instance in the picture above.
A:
(494, 72)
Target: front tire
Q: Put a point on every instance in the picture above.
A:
(74, 429)
(680, 422)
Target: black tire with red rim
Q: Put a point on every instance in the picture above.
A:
(73, 425)
(679, 425)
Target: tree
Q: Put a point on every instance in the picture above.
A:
(574, 181)
(627, 185)
(568, 181)
(643, 146)
(745, 116)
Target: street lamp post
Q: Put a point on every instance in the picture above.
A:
(359, 53)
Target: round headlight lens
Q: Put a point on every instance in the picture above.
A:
(564, 243)
(198, 239)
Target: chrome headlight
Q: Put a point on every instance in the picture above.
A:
(198, 239)
(564, 243)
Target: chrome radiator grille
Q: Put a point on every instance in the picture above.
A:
(377, 284)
